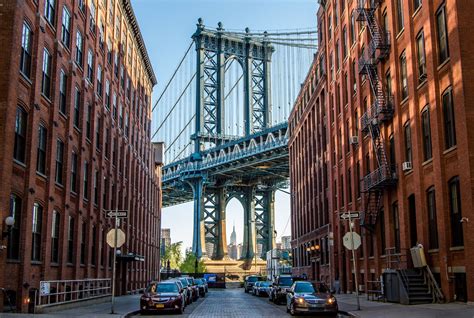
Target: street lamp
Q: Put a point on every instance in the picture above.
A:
(9, 222)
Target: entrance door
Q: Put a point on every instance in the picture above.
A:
(412, 216)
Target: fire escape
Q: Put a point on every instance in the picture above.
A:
(381, 111)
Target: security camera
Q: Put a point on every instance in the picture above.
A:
(464, 219)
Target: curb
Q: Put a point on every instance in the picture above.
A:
(350, 314)
(131, 313)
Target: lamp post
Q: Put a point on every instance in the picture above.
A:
(9, 222)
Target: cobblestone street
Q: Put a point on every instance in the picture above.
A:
(233, 303)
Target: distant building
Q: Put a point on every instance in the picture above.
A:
(286, 242)
(233, 237)
(166, 237)
(232, 247)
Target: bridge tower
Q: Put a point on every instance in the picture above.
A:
(214, 49)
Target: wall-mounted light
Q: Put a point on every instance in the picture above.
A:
(9, 222)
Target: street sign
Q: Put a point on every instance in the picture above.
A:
(111, 238)
(351, 240)
(350, 215)
(123, 214)
(44, 288)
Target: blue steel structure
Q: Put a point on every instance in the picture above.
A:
(221, 167)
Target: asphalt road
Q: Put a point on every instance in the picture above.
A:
(232, 303)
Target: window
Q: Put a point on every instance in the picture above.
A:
(86, 180)
(391, 145)
(62, 92)
(396, 227)
(354, 77)
(50, 11)
(66, 28)
(70, 241)
(107, 94)
(41, 154)
(55, 237)
(79, 44)
(25, 57)
(420, 52)
(82, 5)
(59, 161)
(114, 106)
(353, 36)
(432, 218)
(408, 152)
(77, 108)
(337, 56)
(90, 65)
(358, 179)
(92, 16)
(400, 20)
(88, 122)
(404, 75)
(382, 231)
(416, 4)
(74, 161)
(448, 117)
(96, 187)
(94, 245)
(329, 27)
(83, 243)
(98, 142)
(36, 232)
(443, 47)
(344, 45)
(99, 81)
(349, 185)
(13, 245)
(19, 148)
(107, 143)
(426, 130)
(388, 83)
(46, 77)
(457, 238)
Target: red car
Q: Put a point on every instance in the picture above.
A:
(162, 296)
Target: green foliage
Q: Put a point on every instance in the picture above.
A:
(173, 254)
(189, 264)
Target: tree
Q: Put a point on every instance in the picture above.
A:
(189, 264)
(173, 255)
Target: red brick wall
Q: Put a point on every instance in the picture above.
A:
(135, 179)
(436, 172)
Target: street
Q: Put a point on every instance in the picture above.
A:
(232, 303)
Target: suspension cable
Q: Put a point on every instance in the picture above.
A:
(172, 77)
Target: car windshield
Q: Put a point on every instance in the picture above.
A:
(190, 281)
(252, 279)
(184, 281)
(304, 288)
(321, 288)
(154, 288)
(286, 281)
(265, 284)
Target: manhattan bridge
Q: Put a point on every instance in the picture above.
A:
(223, 119)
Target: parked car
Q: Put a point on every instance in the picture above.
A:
(255, 286)
(181, 286)
(307, 297)
(162, 296)
(280, 287)
(263, 289)
(194, 287)
(250, 281)
(188, 289)
(202, 287)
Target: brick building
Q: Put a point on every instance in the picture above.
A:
(383, 129)
(75, 111)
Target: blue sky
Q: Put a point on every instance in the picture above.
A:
(167, 26)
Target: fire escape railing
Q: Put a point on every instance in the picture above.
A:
(381, 110)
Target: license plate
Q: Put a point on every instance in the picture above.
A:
(160, 306)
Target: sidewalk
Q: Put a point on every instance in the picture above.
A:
(123, 306)
(348, 302)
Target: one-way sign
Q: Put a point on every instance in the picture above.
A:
(350, 215)
(121, 214)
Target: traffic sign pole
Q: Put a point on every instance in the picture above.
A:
(354, 263)
(115, 259)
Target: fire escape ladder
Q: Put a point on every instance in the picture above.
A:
(381, 110)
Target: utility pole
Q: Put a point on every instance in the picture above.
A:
(114, 266)
(354, 263)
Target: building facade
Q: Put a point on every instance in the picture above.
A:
(75, 112)
(386, 133)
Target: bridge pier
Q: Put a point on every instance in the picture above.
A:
(248, 202)
(199, 240)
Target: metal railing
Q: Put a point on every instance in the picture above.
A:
(56, 292)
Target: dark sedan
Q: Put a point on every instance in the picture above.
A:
(305, 297)
(263, 289)
(202, 286)
(187, 289)
(162, 296)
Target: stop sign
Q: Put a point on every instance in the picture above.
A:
(111, 238)
(348, 240)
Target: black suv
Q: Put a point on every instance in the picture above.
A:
(250, 281)
(280, 287)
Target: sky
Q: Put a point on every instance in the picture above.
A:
(167, 26)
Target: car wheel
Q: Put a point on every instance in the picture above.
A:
(143, 312)
(246, 290)
(180, 310)
(292, 309)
